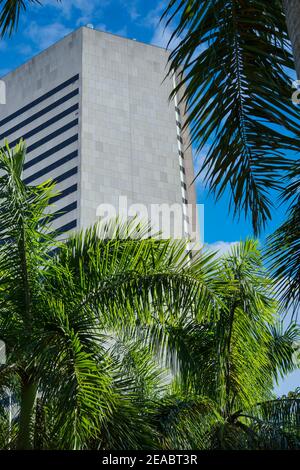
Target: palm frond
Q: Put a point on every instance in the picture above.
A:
(10, 14)
(284, 349)
(142, 277)
(283, 248)
(232, 64)
(276, 423)
(185, 422)
(25, 244)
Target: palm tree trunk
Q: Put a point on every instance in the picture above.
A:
(292, 11)
(28, 396)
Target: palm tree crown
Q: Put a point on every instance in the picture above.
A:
(60, 305)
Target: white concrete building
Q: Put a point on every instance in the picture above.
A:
(94, 111)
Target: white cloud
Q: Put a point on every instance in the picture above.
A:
(122, 31)
(4, 72)
(162, 33)
(45, 36)
(162, 36)
(101, 27)
(154, 15)
(82, 12)
(133, 13)
(221, 247)
(85, 7)
(132, 8)
(25, 49)
(199, 158)
(119, 32)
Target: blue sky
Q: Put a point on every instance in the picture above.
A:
(139, 19)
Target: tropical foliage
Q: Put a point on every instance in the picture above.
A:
(284, 245)
(59, 308)
(10, 14)
(233, 62)
(237, 62)
(119, 341)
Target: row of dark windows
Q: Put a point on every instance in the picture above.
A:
(51, 151)
(65, 210)
(66, 175)
(46, 170)
(43, 126)
(51, 136)
(59, 179)
(46, 139)
(39, 114)
(39, 100)
(65, 228)
(64, 193)
(51, 167)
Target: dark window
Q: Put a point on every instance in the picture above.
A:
(52, 136)
(39, 114)
(65, 228)
(64, 193)
(40, 99)
(50, 152)
(51, 167)
(66, 175)
(46, 124)
(69, 208)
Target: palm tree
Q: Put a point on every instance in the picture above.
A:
(62, 302)
(225, 367)
(237, 62)
(90, 325)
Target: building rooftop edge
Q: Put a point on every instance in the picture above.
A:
(75, 31)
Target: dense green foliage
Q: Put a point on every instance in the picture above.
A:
(119, 341)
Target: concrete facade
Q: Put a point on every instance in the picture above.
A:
(292, 11)
(94, 111)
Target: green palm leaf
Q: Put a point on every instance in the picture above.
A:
(232, 64)
(10, 14)
(283, 249)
